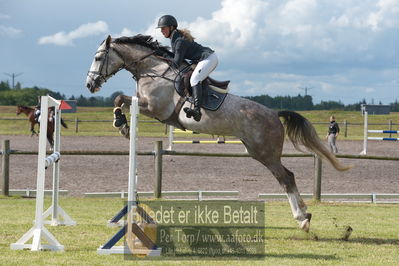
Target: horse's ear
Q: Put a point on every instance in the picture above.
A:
(108, 41)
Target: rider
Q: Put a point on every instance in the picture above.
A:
(184, 47)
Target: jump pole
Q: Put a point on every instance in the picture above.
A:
(39, 231)
(131, 230)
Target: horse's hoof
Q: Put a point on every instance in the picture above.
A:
(119, 118)
(119, 122)
(305, 225)
(197, 117)
(188, 112)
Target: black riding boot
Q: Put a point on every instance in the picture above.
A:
(197, 96)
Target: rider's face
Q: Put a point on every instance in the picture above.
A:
(165, 31)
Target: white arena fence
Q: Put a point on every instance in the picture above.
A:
(158, 154)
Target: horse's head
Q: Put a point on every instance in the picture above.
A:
(107, 62)
(130, 53)
(19, 109)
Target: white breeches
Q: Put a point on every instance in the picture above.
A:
(203, 69)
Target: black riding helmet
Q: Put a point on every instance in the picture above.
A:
(167, 20)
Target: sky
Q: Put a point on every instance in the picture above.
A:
(341, 50)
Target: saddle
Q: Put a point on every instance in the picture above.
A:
(213, 92)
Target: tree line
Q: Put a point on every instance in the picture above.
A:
(301, 103)
(29, 97)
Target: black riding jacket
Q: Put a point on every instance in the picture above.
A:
(184, 49)
(333, 128)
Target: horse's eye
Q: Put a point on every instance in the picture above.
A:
(98, 58)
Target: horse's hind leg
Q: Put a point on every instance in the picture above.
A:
(50, 141)
(269, 153)
(287, 181)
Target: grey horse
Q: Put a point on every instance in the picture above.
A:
(257, 126)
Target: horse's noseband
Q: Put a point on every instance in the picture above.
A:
(99, 73)
(101, 76)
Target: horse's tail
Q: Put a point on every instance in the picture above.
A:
(63, 123)
(301, 131)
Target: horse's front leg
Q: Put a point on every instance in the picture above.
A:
(32, 130)
(120, 120)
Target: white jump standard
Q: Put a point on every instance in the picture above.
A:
(59, 216)
(134, 234)
(366, 137)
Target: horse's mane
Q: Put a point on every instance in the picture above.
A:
(144, 40)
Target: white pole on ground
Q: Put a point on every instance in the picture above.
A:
(365, 134)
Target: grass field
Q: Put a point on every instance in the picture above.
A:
(21, 127)
(374, 240)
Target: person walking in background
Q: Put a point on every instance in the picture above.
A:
(333, 132)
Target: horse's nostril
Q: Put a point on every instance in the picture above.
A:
(88, 85)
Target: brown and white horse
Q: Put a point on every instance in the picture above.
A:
(257, 126)
(30, 113)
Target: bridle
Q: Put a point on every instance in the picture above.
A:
(136, 76)
(107, 75)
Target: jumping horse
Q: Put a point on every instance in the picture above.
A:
(258, 127)
(30, 113)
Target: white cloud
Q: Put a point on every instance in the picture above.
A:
(125, 32)
(9, 31)
(336, 47)
(386, 16)
(4, 16)
(234, 25)
(297, 31)
(67, 39)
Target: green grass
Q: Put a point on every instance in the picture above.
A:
(21, 127)
(374, 240)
